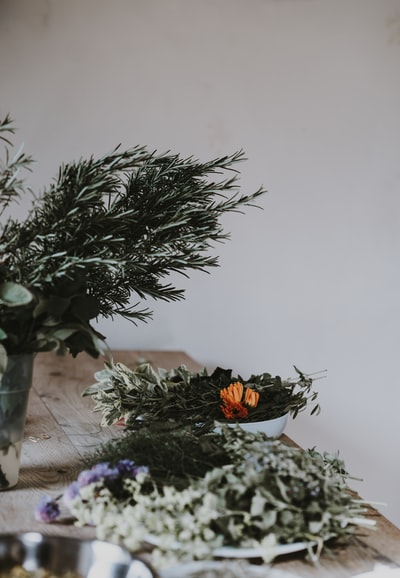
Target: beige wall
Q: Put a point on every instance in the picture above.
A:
(310, 89)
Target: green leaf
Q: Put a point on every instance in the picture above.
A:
(3, 359)
(54, 306)
(14, 294)
(64, 333)
(85, 307)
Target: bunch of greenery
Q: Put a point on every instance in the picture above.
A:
(144, 396)
(258, 494)
(175, 459)
(107, 230)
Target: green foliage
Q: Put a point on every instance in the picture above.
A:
(143, 395)
(176, 458)
(252, 492)
(14, 295)
(106, 231)
(11, 183)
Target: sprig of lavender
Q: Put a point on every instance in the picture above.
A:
(49, 509)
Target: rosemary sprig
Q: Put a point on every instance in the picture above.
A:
(103, 237)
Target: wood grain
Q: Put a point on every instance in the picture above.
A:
(61, 428)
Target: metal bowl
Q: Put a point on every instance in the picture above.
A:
(88, 558)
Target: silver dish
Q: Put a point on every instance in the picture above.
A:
(89, 558)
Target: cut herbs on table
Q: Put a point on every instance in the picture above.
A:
(143, 396)
(262, 493)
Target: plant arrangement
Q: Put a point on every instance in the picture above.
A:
(256, 493)
(143, 396)
(101, 238)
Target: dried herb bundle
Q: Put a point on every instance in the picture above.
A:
(144, 396)
(175, 457)
(262, 493)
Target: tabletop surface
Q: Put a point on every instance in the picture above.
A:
(61, 428)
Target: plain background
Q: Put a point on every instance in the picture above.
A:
(310, 89)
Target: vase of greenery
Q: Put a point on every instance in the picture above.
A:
(15, 383)
(101, 238)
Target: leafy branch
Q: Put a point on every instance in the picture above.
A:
(143, 396)
(105, 235)
(11, 183)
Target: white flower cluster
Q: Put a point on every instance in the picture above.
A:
(178, 523)
(257, 503)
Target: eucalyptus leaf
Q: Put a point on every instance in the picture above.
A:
(63, 334)
(85, 307)
(53, 306)
(14, 295)
(3, 359)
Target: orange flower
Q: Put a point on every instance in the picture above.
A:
(233, 393)
(234, 410)
(251, 397)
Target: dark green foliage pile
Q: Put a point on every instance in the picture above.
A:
(174, 457)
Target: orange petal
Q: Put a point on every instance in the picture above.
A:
(233, 393)
(234, 411)
(251, 397)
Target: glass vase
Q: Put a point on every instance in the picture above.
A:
(15, 384)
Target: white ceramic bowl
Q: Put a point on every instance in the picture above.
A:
(273, 428)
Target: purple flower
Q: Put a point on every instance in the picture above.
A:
(128, 468)
(98, 472)
(141, 470)
(70, 493)
(47, 510)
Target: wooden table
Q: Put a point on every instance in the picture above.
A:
(61, 427)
